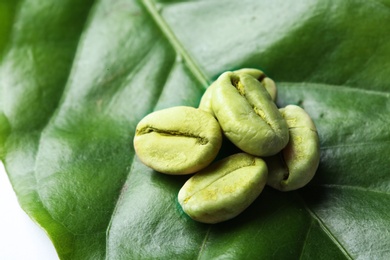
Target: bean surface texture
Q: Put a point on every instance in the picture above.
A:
(248, 116)
(267, 83)
(224, 189)
(297, 163)
(178, 140)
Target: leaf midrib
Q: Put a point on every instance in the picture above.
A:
(182, 53)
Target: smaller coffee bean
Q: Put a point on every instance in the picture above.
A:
(297, 163)
(224, 189)
(178, 140)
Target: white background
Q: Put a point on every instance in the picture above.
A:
(20, 237)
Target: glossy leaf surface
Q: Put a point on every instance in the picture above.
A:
(77, 76)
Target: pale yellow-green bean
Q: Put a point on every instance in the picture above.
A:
(267, 83)
(248, 116)
(297, 163)
(178, 140)
(224, 189)
(205, 102)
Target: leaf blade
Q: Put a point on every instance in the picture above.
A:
(127, 65)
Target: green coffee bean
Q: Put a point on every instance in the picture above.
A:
(205, 102)
(267, 83)
(297, 163)
(248, 116)
(224, 189)
(178, 140)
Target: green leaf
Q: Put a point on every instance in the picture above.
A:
(77, 76)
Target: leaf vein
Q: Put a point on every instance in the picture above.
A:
(117, 204)
(326, 230)
(379, 142)
(356, 188)
(343, 88)
(202, 247)
(306, 238)
(176, 44)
